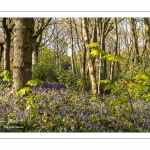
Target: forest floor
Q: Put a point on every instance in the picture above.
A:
(54, 108)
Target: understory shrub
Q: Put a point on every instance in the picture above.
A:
(66, 77)
(44, 72)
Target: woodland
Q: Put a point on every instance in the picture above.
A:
(75, 74)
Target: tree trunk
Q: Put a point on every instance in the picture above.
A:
(1, 51)
(72, 49)
(115, 51)
(84, 67)
(147, 33)
(135, 42)
(102, 63)
(7, 34)
(23, 41)
(35, 53)
(90, 65)
(79, 48)
(7, 52)
(84, 61)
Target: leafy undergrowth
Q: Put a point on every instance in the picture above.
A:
(64, 110)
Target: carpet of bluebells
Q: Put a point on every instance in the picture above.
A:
(53, 108)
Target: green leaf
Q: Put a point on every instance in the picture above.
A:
(8, 79)
(39, 96)
(24, 91)
(141, 77)
(120, 101)
(147, 100)
(93, 45)
(28, 107)
(141, 87)
(35, 82)
(96, 52)
(6, 76)
(111, 57)
(4, 73)
(30, 99)
(112, 87)
(105, 81)
(131, 84)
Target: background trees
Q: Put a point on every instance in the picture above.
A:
(95, 74)
(61, 52)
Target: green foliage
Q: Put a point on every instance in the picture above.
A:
(44, 72)
(72, 81)
(23, 91)
(96, 51)
(141, 78)
(72, 111)
(47, 56)
(35, 82)
(94, 45)
(65, 77)
(105, 81)
(119, 101)
(31, 105)
(111, 57)
(6, 76)
(80, 82)
(113, 87)
(26, 90)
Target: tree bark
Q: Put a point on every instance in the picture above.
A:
(102, 63)
(115, 51)
(37, 39)
(72, 48)
(147, 34)
(34, 53)
(23, 41)
(90, 64)
(7, 34)
(135, 38)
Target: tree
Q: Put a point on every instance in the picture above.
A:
(23, 41)
(135, 39)
(147, 34)
(72, 48)
(2, 41)
(104, 26)
(8, 26)
(41, 23)
(90, 64)
(115, 50)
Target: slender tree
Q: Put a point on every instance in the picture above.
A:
(8, 26)
(90, 64)
(41, 23)
(72, 47)
(104, 26)
(135, 39)
(147, 34)
(115, 50)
